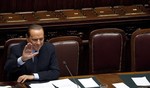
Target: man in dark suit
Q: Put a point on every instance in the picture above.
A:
(33, 59)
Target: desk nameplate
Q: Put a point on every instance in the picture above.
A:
(46, 16)
(13, 18)
(73, 14)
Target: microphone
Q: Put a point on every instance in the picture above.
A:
(64, 62)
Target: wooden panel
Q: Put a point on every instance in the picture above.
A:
(115, 2)
(1, 19)
(99, 3)
(7, 6)
(41, 5)
(13, 18)
(46, 16)
(89, 12)
(52, 5)
(131, 2)
(28, 16)
(36, 5)
(73, 14)
(133, 10)
(84, 3)
(105, 12)
(65, 4)
(25, 5)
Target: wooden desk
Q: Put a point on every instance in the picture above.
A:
(108, 79)
(13, 84)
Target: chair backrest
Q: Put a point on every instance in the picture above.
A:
(8, 44)
(106, 50)
(140, 48)
(67, 49)
(11, 42)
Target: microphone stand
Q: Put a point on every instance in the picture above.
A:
(64, 62)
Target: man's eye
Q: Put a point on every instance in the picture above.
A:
(34, 39)
(37, 39)
(41, 39)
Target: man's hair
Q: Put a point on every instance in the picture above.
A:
(33, 27)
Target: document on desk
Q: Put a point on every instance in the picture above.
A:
(141, 81)
(120, 85)
(42, 85)
(88, 82)
(64, 83)
(5, 87)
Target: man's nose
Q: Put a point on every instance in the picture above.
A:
(38, 41)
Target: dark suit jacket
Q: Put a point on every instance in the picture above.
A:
(45, 63)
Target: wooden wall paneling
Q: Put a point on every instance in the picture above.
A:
(59, 4)
(143, 2)
(24, 5)
(65, 4)
(131, 2)
(35, 5)
(84, 4)
(41, 5)
(78, 4)
(52, 5)
(7, 6)
(101, 3)
(115, 2)
(69, 4)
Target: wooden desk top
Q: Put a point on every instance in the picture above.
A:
(13, 84)
(107, 79)
(111, 78)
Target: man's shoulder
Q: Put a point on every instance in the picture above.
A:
(47, 44)
(21, 44)
(18, 46)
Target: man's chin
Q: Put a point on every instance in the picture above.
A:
(36, 49)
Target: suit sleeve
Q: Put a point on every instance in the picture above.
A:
(11, 64)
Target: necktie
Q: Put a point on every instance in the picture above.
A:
(35, 64)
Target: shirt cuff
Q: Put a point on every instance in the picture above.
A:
(20, 62)
(36, 76)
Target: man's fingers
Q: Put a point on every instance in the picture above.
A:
(25, 48)
(19, 79)
(22, 79)
(28, 46)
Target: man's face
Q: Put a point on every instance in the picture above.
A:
(36, 38)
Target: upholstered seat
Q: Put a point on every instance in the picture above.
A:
(68, 50)
(106, 50)
(140, 50)
(8, 44)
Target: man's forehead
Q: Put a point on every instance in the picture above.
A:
(36, 29)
